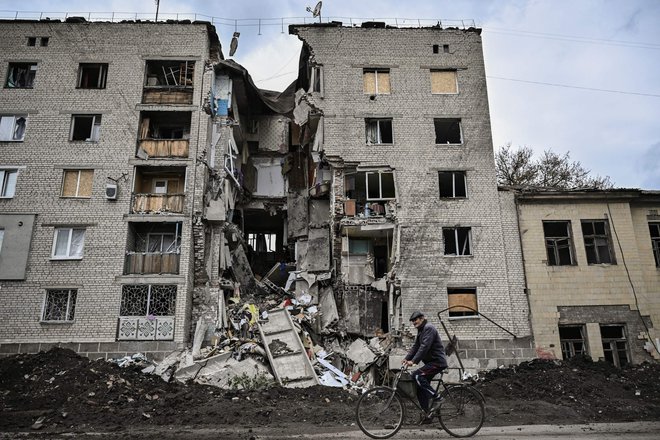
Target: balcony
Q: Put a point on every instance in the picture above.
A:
(153, 248)
(169, 82)
(159, 190)
(142, 263)
(164, 135)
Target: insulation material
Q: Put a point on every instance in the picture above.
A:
(318, 249)
(443, 81)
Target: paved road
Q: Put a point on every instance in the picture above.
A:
(600, 431)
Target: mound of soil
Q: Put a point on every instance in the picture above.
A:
(69, 393)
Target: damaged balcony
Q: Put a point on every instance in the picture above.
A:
(168, 82)
(153, 248)
(164, 134)
(159, 190)
(369, 194)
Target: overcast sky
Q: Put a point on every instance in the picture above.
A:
(543, 60)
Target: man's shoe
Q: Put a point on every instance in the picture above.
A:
(426, 418)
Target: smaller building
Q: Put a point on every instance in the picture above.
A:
(592, 263)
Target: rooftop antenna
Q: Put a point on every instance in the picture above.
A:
(157, 6)
(316, 12)
(234, 44)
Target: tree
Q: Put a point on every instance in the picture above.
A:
(555, 171)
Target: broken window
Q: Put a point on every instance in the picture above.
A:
(376, 81)
(444, 82)
(457, 241)
(32, 41)
(572, 342)
(77, 183)
(85, 128)
(462, 302)
(153, 248)
(654, 229)
(59, 305)
(316, 79)
(452, 184)
(597, 242)
(379, 131)
(162, 73)
(558, 243)
(148, 300)
(448, 131)
(615, 344)
(68, 243)
(12, 127)
(21, 75)
(44, 41)
(165, 125)
(262, 242)
(8, 182)
(92, 75)
(380, 185)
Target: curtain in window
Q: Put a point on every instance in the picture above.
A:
(77, 239)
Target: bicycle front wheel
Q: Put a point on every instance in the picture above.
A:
(461, 411)
(380, 412)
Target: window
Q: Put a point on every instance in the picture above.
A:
(380, 185)
(615, 344)
(379, 131)
(462, 302)
(444, 82)
(44, 41)
(358, 247)
(85, 128)
(8, 183)
(21, 75)
(316, 79)
(32, 41)
(261, 242)
(59, 305)
(77, 183)
(597, 242)
(12, 127)
(146, 300)
(448, 131)
(452, 184)
(376, 81)
(457, 241)
(654, 229)
(92, 76)
(68, 243)
(571, 338)
(558, 243)
(163, 243)
(2, 237)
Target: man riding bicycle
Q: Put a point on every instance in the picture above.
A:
(429, 349)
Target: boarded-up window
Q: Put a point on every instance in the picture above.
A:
(462, 301)
(443, 82)
(376, 81)
(77, 183)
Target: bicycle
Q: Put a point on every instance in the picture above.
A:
(459, 408)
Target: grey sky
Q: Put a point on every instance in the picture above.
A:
(611, 45)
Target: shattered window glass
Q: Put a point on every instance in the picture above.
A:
(572, 340)
(558, 243)
(448, 131)
(452, 184)
(21, 75)
(654, 229)
(597, 242)
(615, 344)
(457, 241)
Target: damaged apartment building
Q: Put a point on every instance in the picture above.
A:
(154, 197)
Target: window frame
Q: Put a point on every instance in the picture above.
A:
(31, 76)
(456, 230)
(102, 79)
(77, 194)
(14, 128)
(376, 72)
(453, 120)
(607, 236)
(614, 346)
(655, 242)
(567, 345)
(5, 178)
(455, 72)
(469, 314)
(316, 79)
(72, 297)
(380, 185)
(94, 135)
(379, 134)
(149, 299)
(556, 247)
(68, 255)
(453, 185)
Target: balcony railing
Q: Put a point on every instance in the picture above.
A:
(151, 263)
(165, 147)
(145, 328)
(157, 203)
(167, 95)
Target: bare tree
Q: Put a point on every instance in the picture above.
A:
(518, 167)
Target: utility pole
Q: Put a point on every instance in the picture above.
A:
(157, 6)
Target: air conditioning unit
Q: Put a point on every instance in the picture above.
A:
(111, 191)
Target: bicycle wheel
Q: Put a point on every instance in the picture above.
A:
(461, 411)
(380, 412)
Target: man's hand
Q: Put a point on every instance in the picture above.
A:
(407, 363)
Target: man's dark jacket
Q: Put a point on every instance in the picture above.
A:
(428, 347)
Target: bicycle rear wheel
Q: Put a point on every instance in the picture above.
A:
(380, 412)
(461, 411)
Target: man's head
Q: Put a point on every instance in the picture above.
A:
(417, 318)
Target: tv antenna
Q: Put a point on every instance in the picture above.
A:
(234, 44)
(316, 12)
(157, 7)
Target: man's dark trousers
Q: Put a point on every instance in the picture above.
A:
(423, 376)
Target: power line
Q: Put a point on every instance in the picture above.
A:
(573, 87)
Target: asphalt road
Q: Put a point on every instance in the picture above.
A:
(600, 431)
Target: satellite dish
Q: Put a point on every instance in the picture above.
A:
(234, 44)
(316, 12)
